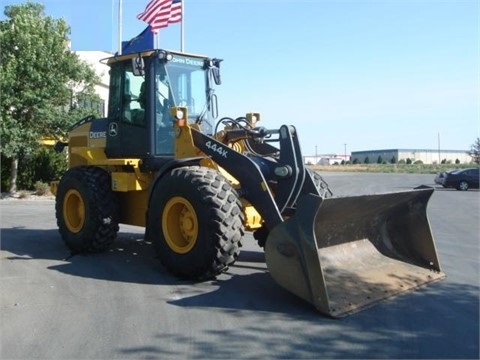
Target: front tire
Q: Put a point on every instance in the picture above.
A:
(195, 222)
(86, 209)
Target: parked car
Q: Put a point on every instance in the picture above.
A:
(462, 179)
(439, 178)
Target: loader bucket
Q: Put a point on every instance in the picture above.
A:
(345, 254)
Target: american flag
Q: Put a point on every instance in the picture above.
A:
(159, 13)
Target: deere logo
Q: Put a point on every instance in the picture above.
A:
(113, 129)
(97, 134)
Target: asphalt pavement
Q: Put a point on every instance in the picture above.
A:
(122, 304)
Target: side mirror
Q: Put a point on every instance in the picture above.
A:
(213, 66)
(216, 75)
(138, 66)
(216, 71)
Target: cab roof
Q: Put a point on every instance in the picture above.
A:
(146, 53)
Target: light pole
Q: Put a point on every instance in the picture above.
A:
(345, 158)
(315, 154)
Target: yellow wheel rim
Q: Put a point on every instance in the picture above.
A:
(180, 225)
(73, 211)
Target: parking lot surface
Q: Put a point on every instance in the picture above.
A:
(122, 304)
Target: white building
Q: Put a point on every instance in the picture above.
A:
(326, 159)
(93, 59)
(424, 155)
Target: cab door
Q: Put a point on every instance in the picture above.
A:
(127, 131)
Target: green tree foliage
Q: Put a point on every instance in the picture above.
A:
(475, 151)
(40, 80)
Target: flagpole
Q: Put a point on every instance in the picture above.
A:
(182, 47)
(119, 27)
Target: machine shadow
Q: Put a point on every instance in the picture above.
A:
(447, 311)
(424, 324)
(129, 259)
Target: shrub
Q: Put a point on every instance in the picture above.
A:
(42, 188)
(23, 195)
(44, 165)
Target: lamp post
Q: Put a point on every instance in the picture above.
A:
(316, 155)
(345, 158)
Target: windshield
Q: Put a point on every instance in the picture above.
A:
(183, 81)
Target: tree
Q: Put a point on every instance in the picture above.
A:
(475, 151)
(40, 80)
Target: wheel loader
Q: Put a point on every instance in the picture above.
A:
(162, 160)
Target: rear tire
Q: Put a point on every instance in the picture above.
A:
(86, 209)
(195, 222)
(462, 185)
(320, 184)
(261, 234)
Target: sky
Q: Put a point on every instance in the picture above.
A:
(350, 75)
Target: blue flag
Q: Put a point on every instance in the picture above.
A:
(141, 42)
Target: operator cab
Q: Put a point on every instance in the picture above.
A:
(143, 89)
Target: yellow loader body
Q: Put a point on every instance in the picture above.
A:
(161, 160)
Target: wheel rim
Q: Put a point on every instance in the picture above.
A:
(74, 211)
(180, 225)
(463, 185)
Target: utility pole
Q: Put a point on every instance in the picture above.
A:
(438, 138)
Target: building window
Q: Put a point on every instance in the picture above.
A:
(97, 104)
